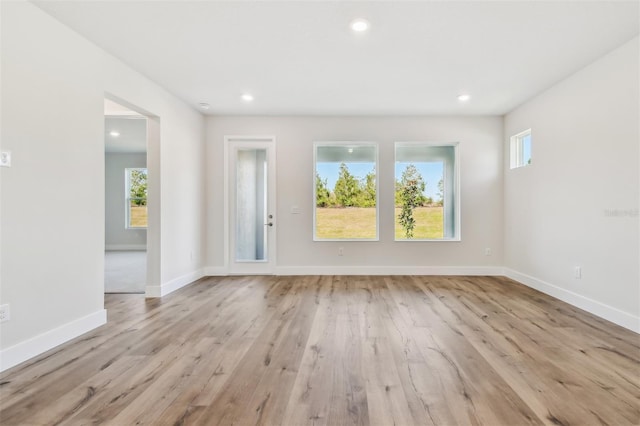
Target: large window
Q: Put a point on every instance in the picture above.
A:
(426, 192)
(136, 197)
(346, 191)
(521, 149)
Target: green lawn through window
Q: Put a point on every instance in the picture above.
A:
(360, 222)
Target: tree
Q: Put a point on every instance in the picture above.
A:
(322, 192)
(138, 187)
(411, 194)
(347, 187)
(440, 201)
(367, 196)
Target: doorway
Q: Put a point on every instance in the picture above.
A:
(250, 198)
(126, 206)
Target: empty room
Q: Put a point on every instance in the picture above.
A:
(319, 212)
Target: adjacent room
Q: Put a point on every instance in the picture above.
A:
(320, 213)
(125, 258)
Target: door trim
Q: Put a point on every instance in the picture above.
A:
(271, 266)
(154, 232)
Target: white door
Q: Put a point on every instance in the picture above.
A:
(251, 220)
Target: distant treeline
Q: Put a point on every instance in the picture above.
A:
(351, 191)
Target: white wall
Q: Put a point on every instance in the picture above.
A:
(117, 235)
(585, 162)
(481, 181)
(51, 270)
(53, 88)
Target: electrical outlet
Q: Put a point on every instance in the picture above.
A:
(340, 251)
(5, 314)
(5, 159)
(577, 272)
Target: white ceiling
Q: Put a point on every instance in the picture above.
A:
(130, 126)
(300, 57)
(132, 134)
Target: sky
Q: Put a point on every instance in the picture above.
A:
(431, 173)
(526, 145)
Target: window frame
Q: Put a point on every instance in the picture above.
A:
(516, 150)
(455, 197)
(346, 144)
(128, 199)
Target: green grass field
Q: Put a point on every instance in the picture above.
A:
(350, 222)
(429, 223)
(357, 222)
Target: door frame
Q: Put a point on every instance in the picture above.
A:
(258, 268)
(154, 237)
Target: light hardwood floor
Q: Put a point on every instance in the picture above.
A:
(336, 350)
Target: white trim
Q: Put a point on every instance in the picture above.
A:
(346, 144)
(268, 141)
(225, 194)
(249, 138)
(387, 270)
(516, 149)
(616, 316)
(430, 240)
(125, 247)
(609, 313)
(216, 271)
(127, 198)
(173, 285)
(457, 184)
(30, 348)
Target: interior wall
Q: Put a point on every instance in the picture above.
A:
(577, 204)
(53, 87)
(480, 158)
(117, 235)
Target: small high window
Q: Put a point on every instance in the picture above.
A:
(521, 149)
(136, 197)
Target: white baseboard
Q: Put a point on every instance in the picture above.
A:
(125, 247)
(616, 316)
(599, 309)
(216, 271)
(23, 351)
(173, 285)
(389, 270)
(37, 345)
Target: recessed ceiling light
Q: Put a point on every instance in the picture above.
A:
(114, 133)
(204, 105)
(464, 97)
(350, 150)
(247, 97)
(359, 25)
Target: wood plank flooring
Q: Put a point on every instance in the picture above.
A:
(336, 350)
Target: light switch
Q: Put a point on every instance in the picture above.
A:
(5, 159)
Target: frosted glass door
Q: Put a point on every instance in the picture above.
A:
(250, 173)
(251, 206)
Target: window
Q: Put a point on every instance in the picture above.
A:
(346, 191)
(426, 192)
(136, 197)
(521, 149)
